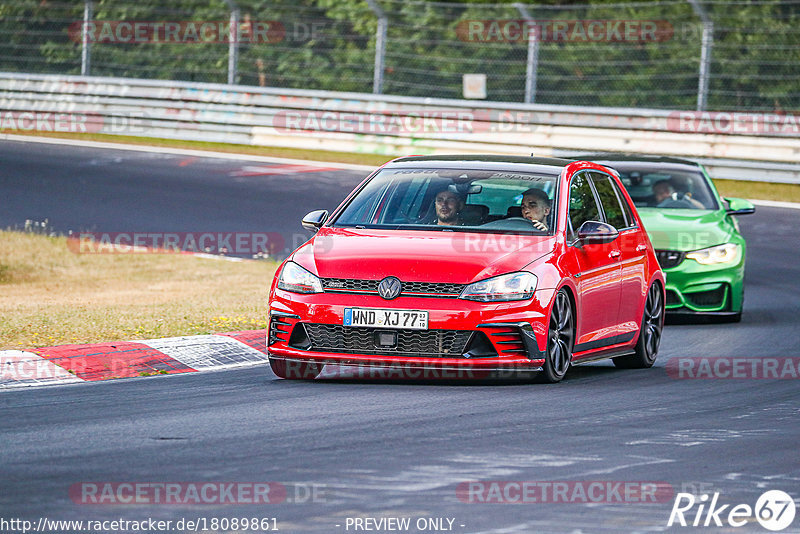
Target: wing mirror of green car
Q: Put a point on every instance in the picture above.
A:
(739, 206)
(314, 220)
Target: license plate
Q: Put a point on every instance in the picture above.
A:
(378, 318)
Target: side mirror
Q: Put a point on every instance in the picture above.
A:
(597, 232)
(739, 206)
(314, 220)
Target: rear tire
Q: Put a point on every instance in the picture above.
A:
(295, 370)
(560, 340)
(646, 349)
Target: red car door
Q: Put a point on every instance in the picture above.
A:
(632, 246)
(598, 279)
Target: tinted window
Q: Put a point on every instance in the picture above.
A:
(478, 200)
(500, 196)
(608, 198)
(663, 187)
(582, 205)
(626, 207)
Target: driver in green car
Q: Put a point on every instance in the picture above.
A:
(664, 191)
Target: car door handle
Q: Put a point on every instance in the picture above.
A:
(640, 248)
(614, 254)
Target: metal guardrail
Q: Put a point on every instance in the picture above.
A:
(378, 124)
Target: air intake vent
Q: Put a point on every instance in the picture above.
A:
(669, 258)
(279, 328)
(351, 340)
(707, 299)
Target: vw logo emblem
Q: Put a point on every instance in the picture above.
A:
(389, 288)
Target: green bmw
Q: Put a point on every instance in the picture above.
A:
(694, 231)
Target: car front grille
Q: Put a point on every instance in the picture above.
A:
(352, 340)
(707, 299)
(672, 298)
(349, 285)
(669, 258)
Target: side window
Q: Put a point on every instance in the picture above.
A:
(608, 198)
(582, 204)
(626, 208)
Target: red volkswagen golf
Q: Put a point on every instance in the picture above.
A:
(479, 263)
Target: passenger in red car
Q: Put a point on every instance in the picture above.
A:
(448, 208)
(536, 207)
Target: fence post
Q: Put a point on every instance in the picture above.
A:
(380, 47)
(86, 53)
(705, 55)
(233, 43)
(532, 62)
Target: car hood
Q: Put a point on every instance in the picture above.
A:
(419, 256)
(685, 229)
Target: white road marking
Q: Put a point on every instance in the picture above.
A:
(205, 353)
(20, 368)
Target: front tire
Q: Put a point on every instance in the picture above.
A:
(295, 370)
(646, 349)
(560, 339)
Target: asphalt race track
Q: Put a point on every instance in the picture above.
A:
(82, 189)
(387, 448)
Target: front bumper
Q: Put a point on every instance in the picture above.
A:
(461, 334)
(697, 289)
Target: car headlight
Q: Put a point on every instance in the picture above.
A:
(726, 253)
(298, 280)
(514, 286)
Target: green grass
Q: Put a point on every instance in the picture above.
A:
(758, 190)
(51, 296)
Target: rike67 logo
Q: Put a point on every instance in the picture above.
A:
(774, 510)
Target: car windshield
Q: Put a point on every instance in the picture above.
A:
(669, 189)
(454, 199)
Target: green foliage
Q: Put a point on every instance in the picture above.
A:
(330, 44)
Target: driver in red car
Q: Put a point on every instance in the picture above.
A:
(449, 205)
(536, 207)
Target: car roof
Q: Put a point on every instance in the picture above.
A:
(484, 162)
(633, 158)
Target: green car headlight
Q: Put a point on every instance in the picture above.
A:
(514, 286)
(726, 253)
